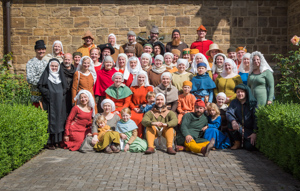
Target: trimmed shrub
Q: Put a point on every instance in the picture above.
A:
(14, 88)
(23, 133)
(279, 135)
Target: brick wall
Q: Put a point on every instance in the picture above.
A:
(259, 25)
(293, 20)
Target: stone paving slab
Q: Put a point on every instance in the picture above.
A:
(222, 170)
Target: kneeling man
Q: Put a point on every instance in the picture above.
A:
(241, 118)
(160, 121)
(191, 133)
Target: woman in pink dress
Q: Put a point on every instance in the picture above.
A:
(79, 121)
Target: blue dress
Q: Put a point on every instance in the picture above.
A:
(244, 77)
(221, 140)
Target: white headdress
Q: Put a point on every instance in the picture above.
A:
(57, 42)
(54, 76)
(135, 80)
(91, 68)
(263, 63)
(234, 71)
(194, 64)
(91, 99)
(115, 45)
(214, 67)
(126, 72)
(113, 107)
(183, 61)
(160, 94)
(138, 67)
(166, 74)
(241, 68)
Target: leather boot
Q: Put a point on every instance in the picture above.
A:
(108, 150)
(150, 150)
(179, 148)
(237, 145)
(114, 148)
(171, 151)
(205, 150)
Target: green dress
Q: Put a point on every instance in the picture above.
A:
(262, 86)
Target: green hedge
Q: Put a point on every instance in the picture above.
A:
(23, 133)
(14, 88)
(279, 135)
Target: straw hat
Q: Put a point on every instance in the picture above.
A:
(213, 46)
(88, 34)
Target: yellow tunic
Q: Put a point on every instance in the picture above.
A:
(178, 79)
(227, 86)
(85, 51)
(102, 131)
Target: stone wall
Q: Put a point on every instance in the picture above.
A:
(293, 20)
(258, 25)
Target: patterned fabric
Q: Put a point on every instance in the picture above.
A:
(34, 70)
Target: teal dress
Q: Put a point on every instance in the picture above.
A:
(138, 145)
(262, 86)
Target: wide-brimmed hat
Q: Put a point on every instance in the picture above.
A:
(107, 45)
(88, 34)
(213, 46)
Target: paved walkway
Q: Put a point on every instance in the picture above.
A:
(222, 170)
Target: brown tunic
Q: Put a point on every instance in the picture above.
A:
(154, 78)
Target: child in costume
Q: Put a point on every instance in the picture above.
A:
(186, 101)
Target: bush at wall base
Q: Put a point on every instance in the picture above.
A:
(23, 133)
(279, 135)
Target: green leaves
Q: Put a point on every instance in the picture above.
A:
(279, 134)
(289, 85)
(23, 133)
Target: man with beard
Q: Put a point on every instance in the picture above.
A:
(153, 35)
(69, 70)
(88, 44)
(192, 129)
(176, 42)
(131, 36)
(106, 50)
(202, 44)
(34, 70)
(241, 118)
(160, 122)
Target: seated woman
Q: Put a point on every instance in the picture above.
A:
(227, 81)
(261, 79)
(128, 133)
(245, 67)
(218, 63)
(168, 60)
(146, 62)
(140, 87)
(57, 52)
(212, 130)
(221, 98)
(119, 93)
(79, 121)
(156, 71)
(181, 75)
(53, 87)
(169, 91)
(198, 59)
(122, 67)
(108, 108)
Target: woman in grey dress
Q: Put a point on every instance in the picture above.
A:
(108, 107)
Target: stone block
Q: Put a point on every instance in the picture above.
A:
(77, 40)
(108, 21)
(240, 22)
(208, 21)
(41, 12)
(31, 22)
(121, 21)
(81, 22)
(158, 20)
(252, 11)
(38, 32)
(196, 22)
(66, 40)
(157, 10)
(262, 21)
(126, 11)
(95, 22)
(54, 22)
(60, 32)
(276, 31)
(144, 21)
(17, 22)
(272, 22)
(263, 49)
(282, 21)
(111, 11)
(191, 10)
(15, 40)
(24, 40)
(174, 11)
(67, 22)
(75, 11)
(15, 12)
(132, 21)
(60, 12)
(250, 41)
(77, 32)
(28, 50)
(51, 40)
(141, 11)
(225, 31)
(91, 11)
(23, 32)
(264, 11)
(169, 21)
(183, 21)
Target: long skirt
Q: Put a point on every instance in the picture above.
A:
(138, 145)
(108, 138)
(221, 140)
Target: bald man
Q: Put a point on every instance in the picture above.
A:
(69, 70)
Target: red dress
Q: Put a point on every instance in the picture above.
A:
(137, 98)
(129, 80)
(77, 127)
(202, 46)
(103, 81)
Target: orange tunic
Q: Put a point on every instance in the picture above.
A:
(85, 83)
(174, 69)
(185, 103)
(137, 98)
(85, 51)
(120, 103)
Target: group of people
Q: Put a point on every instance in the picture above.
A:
(136, 98)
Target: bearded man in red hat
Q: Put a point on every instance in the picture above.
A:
(192, 130)
(202, 44)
